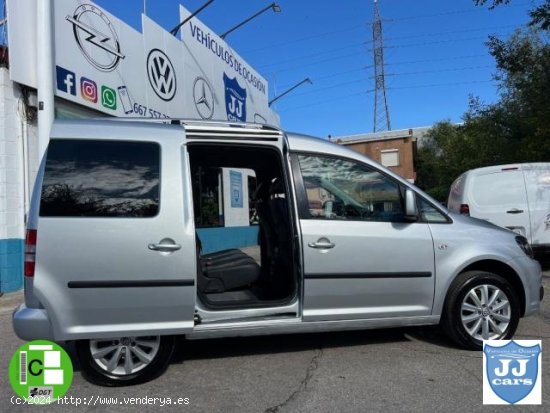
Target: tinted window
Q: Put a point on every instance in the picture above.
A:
(343, 189)
(101, 179)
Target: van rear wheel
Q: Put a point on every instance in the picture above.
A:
(480, 306)
(124, 361)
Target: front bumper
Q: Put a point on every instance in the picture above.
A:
(531, 277)
(32, 323)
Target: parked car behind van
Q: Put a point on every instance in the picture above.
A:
(113, 260)
(514, 196)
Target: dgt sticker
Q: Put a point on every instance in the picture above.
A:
(40, 372)
(512, 372)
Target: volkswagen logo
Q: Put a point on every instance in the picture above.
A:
(162, 75)
(203, 98)
(96, 37)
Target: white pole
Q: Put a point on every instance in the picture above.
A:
(45, 73)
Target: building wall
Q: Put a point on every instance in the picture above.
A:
(18, 165)
(373, 149)
(18, 168)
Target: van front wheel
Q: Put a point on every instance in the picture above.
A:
(480, 306)
(124, 361)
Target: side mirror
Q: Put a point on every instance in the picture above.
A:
(411, 210)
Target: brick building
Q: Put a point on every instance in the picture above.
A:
(394, 149)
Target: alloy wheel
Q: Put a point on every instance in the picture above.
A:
(124, 355)
(486, 312)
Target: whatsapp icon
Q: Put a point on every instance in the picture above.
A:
(108, 97)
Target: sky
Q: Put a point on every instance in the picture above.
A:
(434, 51)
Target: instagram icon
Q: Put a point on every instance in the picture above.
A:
(88, 89)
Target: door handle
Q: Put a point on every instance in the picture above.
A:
(321, 245)
(515, 211)
(164, 247)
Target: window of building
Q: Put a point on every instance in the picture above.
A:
(101, 179)
(389, 157)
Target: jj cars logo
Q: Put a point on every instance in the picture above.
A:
(235, 100)
(162, 75)
(96, 37)
(88, 89)
(511, 373)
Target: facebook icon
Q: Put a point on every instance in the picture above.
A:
(66, 80)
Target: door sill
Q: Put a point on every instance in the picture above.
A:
(297, 325)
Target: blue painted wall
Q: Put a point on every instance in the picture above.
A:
(223, 238)
(11, 265)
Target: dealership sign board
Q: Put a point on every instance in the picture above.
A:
(104, 64)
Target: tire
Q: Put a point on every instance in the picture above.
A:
(493, 315)
(150, 356)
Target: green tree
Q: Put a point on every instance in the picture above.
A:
(540, 15)
(514, 129)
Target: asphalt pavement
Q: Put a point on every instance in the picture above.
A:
(392, 370)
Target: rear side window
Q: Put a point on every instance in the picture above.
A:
(456, 193)
(101, 179)
(503, 188)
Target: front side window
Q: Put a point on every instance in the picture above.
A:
(101, 179)
(339, 188)
(430, 214)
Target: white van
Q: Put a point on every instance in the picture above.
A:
(515, 196)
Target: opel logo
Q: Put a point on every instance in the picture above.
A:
(203, 98)
(162, 75)
(96, 37)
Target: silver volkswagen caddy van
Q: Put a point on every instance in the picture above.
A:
(119, 258)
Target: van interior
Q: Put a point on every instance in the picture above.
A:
(259, 275)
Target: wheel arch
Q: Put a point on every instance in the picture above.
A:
(498, 268)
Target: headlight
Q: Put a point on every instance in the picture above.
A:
(524, 245)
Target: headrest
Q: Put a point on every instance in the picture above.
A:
(277, 187)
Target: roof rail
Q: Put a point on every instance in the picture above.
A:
(211, 129)
(229, 130)
(190, 122)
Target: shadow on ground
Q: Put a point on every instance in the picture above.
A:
(243, 346)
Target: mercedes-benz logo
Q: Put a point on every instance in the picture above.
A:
(203, 98)
(97, 38)
(162, 75)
